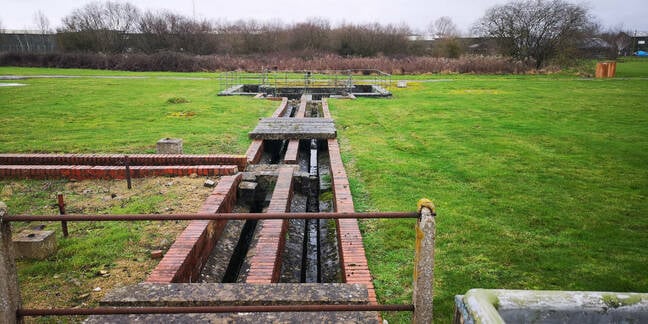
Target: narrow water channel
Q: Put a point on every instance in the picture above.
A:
(310, 253)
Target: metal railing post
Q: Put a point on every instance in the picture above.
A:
(10, 300)
(424, 263)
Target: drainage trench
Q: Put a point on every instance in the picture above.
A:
(310, 253)
(314, 241)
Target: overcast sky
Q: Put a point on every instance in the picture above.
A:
(18, 14)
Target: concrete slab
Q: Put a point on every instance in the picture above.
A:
(34, 244)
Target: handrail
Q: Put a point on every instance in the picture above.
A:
(216, 216)
(22, 312)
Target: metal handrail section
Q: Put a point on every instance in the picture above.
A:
(25, 312)
(28, 312)
(342, 79)
(215, 216)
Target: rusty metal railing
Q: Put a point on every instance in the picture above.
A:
(12, 312)
(218, 216)
(23, 312)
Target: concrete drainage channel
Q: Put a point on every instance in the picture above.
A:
(310, 251)
(294, 165)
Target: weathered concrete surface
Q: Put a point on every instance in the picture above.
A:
(423, 292)
(183, 294)
(239, 294)
(530, 306)
(252, 318)
(34, 244)
(169, 146)
(10, 299)
(294, 128)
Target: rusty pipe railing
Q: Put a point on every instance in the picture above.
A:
(23, 312)
(12, 311)
(218, 216)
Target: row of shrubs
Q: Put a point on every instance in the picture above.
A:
(180, 62)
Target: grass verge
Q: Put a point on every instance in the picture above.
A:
(540, 183)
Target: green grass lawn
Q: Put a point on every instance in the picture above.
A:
(540, 182)
(124, 115)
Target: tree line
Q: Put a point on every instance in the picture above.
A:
(534, 32)
(118, 27)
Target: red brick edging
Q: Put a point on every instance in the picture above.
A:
(118, 159)
(281, 111)
(83, 172)
(353, 259)
(265, 266)
(186, 257)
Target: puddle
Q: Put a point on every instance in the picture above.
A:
(12, 84)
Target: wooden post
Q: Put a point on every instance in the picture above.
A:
(424, 263)
(61, 206)
(10, 300)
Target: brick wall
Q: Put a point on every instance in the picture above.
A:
(254, 152)
(118, 159)
(265, 266)
(292, 152)
(83, 172)
(301, 112)
(281, 111)
(325, 109)
(186, 257)
(352, 254)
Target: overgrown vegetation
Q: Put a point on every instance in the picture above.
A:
(97, 256)
(118, 35)
(117, 27)
(170, 61)
(538, 30)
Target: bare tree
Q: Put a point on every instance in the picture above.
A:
(311, 35)
(446, 43)
(101, 26)
(620, 38)
(42, 23)
(168, 31)
(444, 27)
(537, 30)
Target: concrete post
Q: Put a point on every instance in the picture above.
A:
(169, 146)
(10, 300)
(424, 263)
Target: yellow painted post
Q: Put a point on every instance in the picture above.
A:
(424, 263)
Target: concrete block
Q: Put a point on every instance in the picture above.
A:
(34, 244)
(169, 146)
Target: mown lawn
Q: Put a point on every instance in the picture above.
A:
(123, 115)
(539, 182)
(106, 116)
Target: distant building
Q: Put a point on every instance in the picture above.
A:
(27, 41)
(597, 48)
(639, 41)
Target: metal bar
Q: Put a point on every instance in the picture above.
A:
(61, 206)
(211, 309)
(218, 216)
(128, 173)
